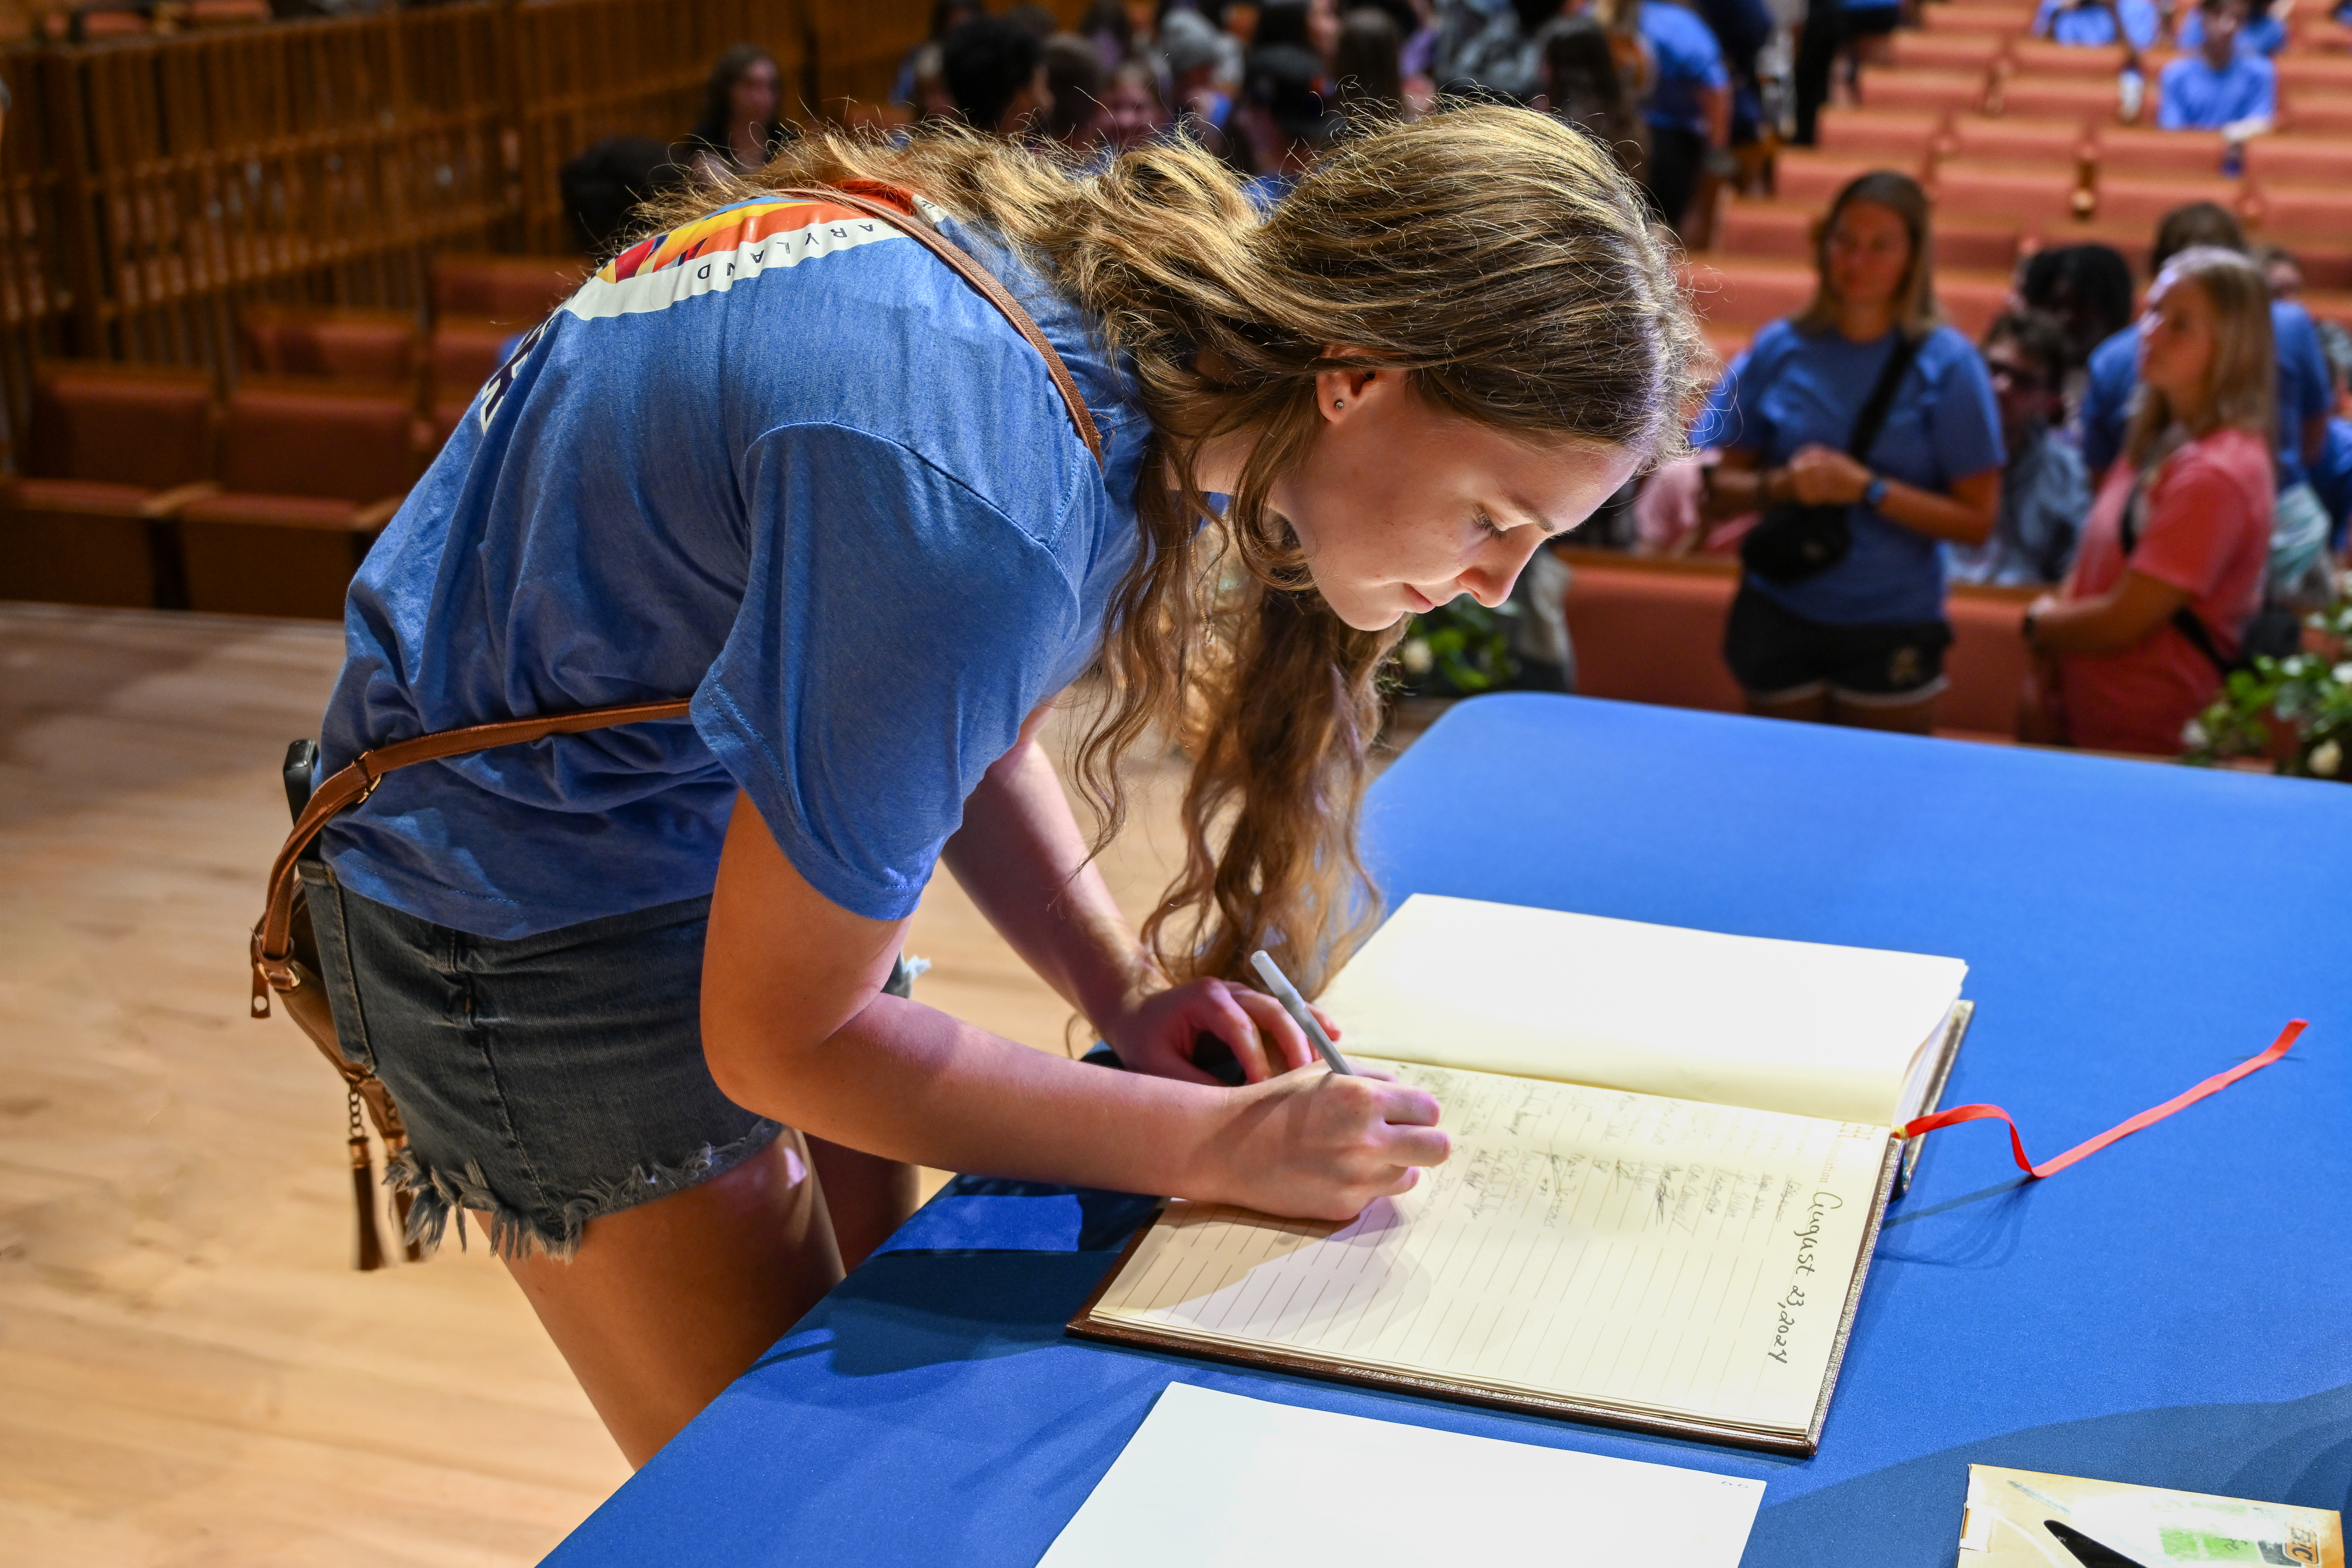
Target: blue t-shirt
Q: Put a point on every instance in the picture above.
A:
(2192, 96)
(2303, 391)
(782, 459)
(1689, 63)
(2261, 35)
(2092, 26)
(1793, 389)
(2331, 477)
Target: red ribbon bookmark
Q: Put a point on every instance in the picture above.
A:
(2213, 1085)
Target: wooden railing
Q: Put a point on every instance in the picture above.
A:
(151, 187)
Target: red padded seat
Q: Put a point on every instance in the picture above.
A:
(350, 345)
(111, 451)
(310, 475)
(518, 290)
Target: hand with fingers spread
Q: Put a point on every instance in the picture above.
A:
(1314, 1145)
(1156, 1034)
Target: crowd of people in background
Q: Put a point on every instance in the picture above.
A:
(2176, 473)
(1671, 89)
(2179, 482)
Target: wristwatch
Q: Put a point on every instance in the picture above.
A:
(1874, 493)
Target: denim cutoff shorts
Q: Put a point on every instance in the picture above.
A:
(544, 1081)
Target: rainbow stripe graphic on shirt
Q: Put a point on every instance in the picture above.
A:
(709, 256)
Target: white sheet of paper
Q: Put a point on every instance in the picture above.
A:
(1799, 1027)
(1215, 1480)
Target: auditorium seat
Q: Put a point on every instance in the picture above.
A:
(1651, 631)
(465, 352)
(1906, 138)
(1999, 21)
(2059, 97)
(347, 344)
(2329, 305)
(2036, 199)
(2298, 159)
(2132, 202)
(2063, 143)
(1946, 51)
(228, 13)
(1972, 299)
(1762, 230)
(1732, 293)
(518, 289)
(2311, 114)
(2040, 56)
(2315, 73)
(2144, 154)
(1810, 178)
(310, 474)
(1977, 245)
(1924, 92)
(111, 452)
(2313, 222)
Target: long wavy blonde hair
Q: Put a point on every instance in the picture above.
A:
(1496, 256)
(2241, 382)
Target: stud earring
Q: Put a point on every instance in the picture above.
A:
(1339, 403)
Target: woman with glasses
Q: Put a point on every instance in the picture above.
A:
(2043, 489)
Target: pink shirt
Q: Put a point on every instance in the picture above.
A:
(2205, 530)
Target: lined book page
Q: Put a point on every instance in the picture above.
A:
(1629, 1250)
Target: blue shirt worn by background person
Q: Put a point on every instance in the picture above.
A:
(1794, 389)
(2192, 96)
(780, 458)
(2092, 26)
(2261, 35)
(2044, 497)
(2331, 478)
(2303, 391)
(1690, 62)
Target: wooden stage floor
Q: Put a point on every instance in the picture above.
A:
(190, 1372)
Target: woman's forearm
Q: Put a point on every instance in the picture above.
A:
(1936, 516)
(1022, 859)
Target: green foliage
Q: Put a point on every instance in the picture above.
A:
(2296, 710)
(1458, 650)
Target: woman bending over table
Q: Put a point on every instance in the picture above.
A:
(2179, 540)
(1861, 640)
(633, 990)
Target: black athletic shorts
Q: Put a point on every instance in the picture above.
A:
(1872, 22)
(1777, 655)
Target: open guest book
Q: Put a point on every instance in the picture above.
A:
(1672, 1151)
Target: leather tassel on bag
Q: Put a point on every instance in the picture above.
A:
(363, 1193)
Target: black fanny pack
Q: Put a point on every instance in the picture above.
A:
(1795, 541)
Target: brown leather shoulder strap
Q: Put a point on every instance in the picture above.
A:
(273, 934)
(994, 292)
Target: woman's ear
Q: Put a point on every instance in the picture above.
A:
(1342, 391)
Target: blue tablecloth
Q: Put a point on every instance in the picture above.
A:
(2176, 1311)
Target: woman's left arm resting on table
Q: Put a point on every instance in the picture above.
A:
(2122, 618)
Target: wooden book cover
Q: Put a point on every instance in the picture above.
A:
(1604, 1243)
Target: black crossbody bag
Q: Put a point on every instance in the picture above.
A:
(1795, 541)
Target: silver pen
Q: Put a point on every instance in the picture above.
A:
(1296, 1005)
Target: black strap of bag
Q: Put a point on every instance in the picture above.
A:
(1794, 541)
(1872, 417)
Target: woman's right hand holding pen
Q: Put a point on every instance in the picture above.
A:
(1315, 1144)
